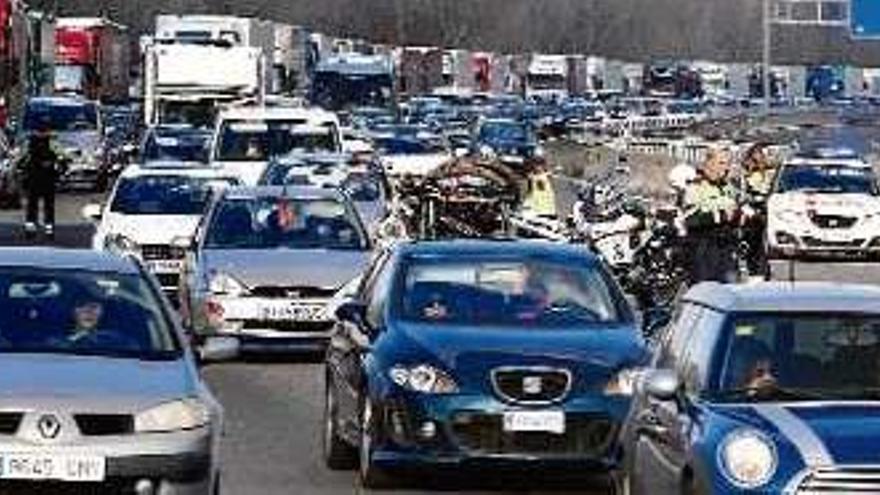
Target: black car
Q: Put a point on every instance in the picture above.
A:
(461, 353)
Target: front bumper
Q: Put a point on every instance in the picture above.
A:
(468, 432)
(791, 243)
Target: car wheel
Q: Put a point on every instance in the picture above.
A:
(338, 454)
(371, 476)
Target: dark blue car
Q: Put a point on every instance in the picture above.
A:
(771, 388)
(508, 140)
(465, 353)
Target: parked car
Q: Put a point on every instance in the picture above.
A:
(470, 352)
(267, 263)
(761, 388)
(100, 387)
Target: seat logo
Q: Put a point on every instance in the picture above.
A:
(49, 426)
(532, 385)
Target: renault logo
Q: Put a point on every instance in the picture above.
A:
(532, 385)
(49, 426)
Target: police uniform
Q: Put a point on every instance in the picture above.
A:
(710, 229)
(40, 176)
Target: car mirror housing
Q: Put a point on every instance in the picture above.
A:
(352, 311)
(218, 349)
(662, 384)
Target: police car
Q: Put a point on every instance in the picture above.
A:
(153, 212)
(824, 203)
(761, 388)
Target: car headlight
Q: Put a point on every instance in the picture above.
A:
(184, 414)
(623, 382)
(222, 283)
(423, 378)
(748, 458)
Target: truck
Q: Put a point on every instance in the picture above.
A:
(92, 59)
(420, 70)
(182, 83)
(344, 81)
(547, 77)
(289, 67)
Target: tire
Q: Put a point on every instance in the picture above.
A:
(371, 476)
(338, 454)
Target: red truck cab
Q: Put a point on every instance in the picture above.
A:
(91, 59)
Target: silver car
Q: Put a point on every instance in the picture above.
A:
(267, 263)
(99, 391)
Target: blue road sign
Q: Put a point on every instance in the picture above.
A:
(865, 18)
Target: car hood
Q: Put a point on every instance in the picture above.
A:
(84, 383)
(319, 268)
(825, 203)
(593, 355)
(150, 229)
(414, 164)
(821, 432)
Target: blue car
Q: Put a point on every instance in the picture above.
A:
(766, 388)
(470, 353)
(511, 141)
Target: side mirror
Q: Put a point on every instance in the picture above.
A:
(352, 312)
(218, 349)
(662, 384)
(93, 212)
(655, 319)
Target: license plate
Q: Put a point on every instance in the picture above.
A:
(833, 236)
(291, 312)
(164, 266)
(52, 467)
(535, 421)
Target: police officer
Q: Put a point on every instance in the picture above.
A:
(40, 175)
(710, 220)
(757, 180)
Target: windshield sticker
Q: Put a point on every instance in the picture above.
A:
(745, 330)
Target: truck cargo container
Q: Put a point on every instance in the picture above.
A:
(351, 80)
(92, 59)
(420, 70)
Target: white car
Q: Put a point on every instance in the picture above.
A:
(246, 138)
(824, 206)
(153, 212)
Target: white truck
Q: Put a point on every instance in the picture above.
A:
(196, 63)
(548, 77)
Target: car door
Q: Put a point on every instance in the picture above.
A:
(349, 344)
(657, 439)
(188, 283)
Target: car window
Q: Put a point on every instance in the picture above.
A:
(827, 179)
(678, 335)
(165, 194)
(695, 365)
(486, 292)
(242, 140)
(82, 312)
(377, 298)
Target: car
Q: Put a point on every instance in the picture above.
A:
(153, 211)
(181, 143)
(508, 140)
(246, 138)
(267, 263)
(472, 353)
(824, 204)
(768, 388)
(101, 390)
(417, 154)
(76, 127)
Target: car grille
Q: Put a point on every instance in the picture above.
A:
(833, 221)
(820, 243)
(531, 385)
(585, 435)
(270, 292)
(9, 422)
(104, 424)
(860, 479)
(161, 252)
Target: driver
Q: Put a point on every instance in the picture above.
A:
(86, 318)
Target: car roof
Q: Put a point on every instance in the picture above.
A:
(65, 259)
(781, 297)
(60, 101)
(165, 168)
(460, 248)
(816, 162)
(278, 113)
(291, 192)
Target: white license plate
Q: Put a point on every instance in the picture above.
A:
(837, 236)
(291, 312)
(164, 266)
(535, 421)
(52, 467)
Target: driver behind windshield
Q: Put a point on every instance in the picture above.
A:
(87, 318)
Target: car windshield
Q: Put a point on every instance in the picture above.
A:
(503, 132)
(164, 194)
(242, 140)
(408, 145)
(183, 147)
(832, 356)
(269, 222)
(502, 293)
(82, 312)
(363, 187)
(827, 179)
(62, 117)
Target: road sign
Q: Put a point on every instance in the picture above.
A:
(865, 18)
